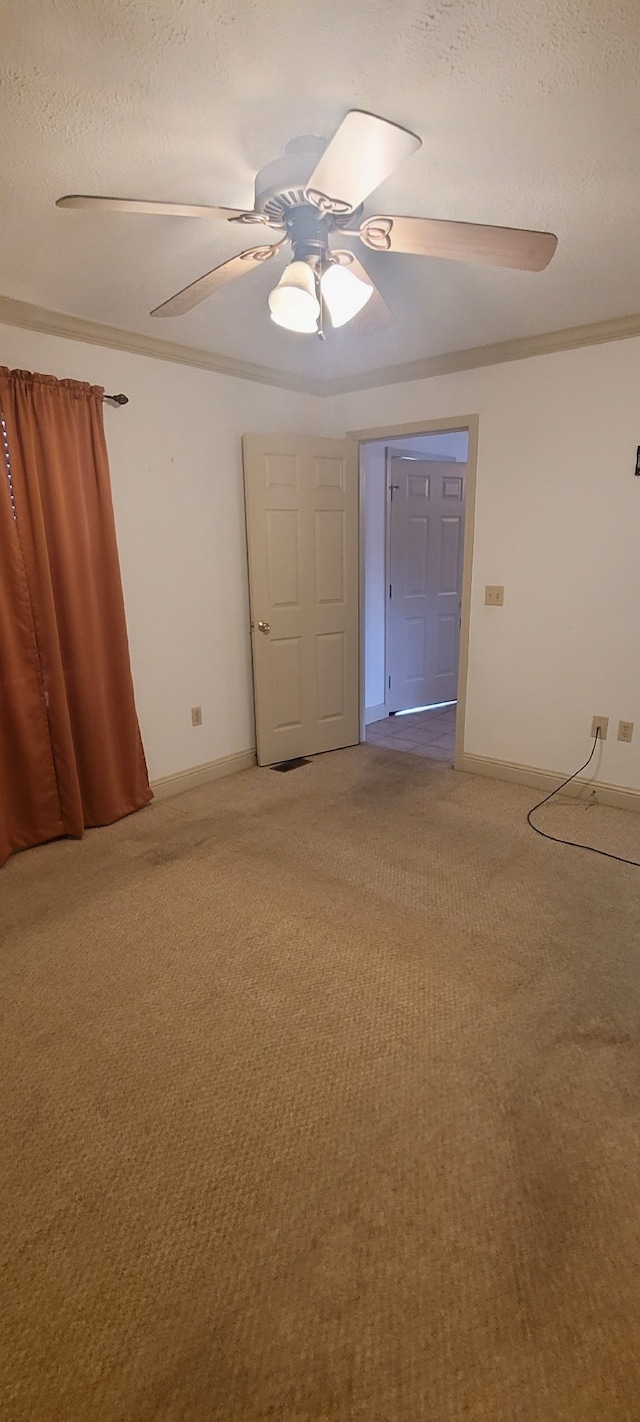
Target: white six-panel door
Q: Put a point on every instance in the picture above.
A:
(302, 534)
(426, 537)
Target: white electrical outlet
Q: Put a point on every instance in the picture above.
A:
(600, 724)
(625, 731)
(196, 715)
(494, 596)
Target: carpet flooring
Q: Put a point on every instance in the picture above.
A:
(320, 1103)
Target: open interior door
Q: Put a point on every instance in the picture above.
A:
(302, 536)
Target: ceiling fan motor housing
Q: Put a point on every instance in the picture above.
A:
(280, 185)
(308, 231)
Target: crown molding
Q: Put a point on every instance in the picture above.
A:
(56, 323)
(94, 333)
(618, 328)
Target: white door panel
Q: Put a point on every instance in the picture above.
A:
(426, 537)
(302, 533)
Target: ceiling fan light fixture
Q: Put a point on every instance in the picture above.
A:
(293, 302)
(298, 321)
(344, 293)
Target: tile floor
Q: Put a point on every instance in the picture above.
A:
(430, 733)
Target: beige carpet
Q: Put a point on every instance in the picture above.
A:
(321, 1100)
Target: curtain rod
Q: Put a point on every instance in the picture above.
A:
(117, 399)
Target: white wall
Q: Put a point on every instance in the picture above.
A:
(558, 523)
(176, 471)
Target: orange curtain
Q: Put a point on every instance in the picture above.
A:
(70, 749)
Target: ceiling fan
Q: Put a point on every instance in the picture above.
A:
(310, 198)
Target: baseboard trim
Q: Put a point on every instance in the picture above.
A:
(201, 774)
(615, 795)
(374, 713)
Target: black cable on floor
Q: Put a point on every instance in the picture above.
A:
(574, 844)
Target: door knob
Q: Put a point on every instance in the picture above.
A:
(264, 627)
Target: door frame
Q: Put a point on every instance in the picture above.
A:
(446, 425)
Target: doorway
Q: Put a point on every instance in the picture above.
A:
(414, 497)
(318, 583)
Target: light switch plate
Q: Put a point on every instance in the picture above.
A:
(494, 595)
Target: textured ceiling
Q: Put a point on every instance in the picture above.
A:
(529, 111)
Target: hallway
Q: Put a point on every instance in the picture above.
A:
(427, 733)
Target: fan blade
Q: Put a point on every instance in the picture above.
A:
(460, 241)
(376, 315)
(155, 209)
(364, 151)
(205, 286)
